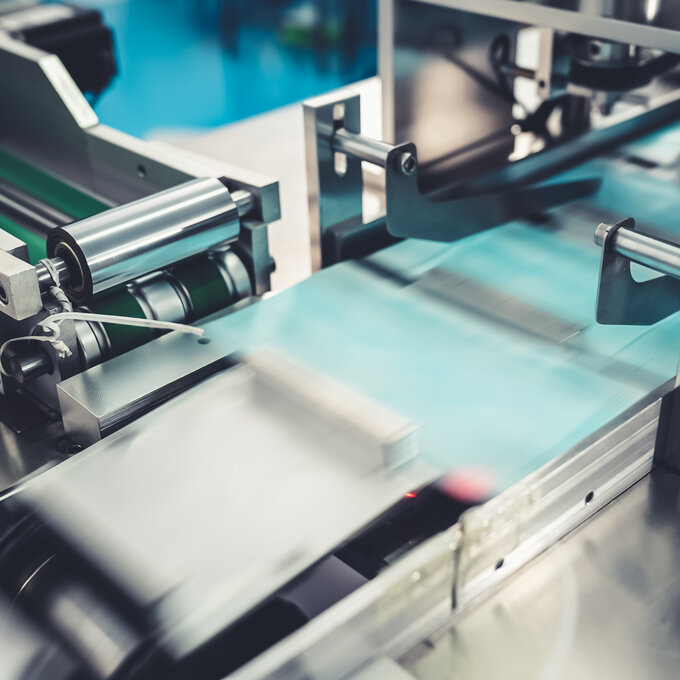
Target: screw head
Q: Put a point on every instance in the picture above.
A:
(408, 163)
(67, 447)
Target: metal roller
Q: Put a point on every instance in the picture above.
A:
(152, 233)
(189, 290)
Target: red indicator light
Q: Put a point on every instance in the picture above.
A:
(409, 494)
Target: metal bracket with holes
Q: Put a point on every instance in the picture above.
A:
(335, 150)
(620, 298)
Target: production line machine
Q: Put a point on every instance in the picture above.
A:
(120, 227)
(453, 451)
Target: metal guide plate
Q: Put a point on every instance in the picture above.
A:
(602, 603)
(206, 506)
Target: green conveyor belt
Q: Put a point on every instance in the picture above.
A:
(49, 190)
(200, 277)
(35, 243)
(120, 301)
(205, 285)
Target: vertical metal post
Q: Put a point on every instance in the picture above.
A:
(386, 30)
(334, 179)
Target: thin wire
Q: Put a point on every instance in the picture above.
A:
(51, 325)
(121, 321)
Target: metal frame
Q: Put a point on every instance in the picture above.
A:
(444, 577)
(599, 19)
(335, 151)
(46, 122)
(334, 198)
(620, 298)
(438, 51)
(64, 137)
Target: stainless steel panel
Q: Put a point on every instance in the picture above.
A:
(44, 114)
(101, 399)
(440, 91)
(446, 576)
(47, 121)
(207, 505)
(639, 22)
(508, 531)
(602, 603)
(125, 168)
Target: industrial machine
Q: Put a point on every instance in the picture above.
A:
(450, 452)
(97, 222)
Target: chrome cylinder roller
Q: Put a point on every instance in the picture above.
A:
(152, 233)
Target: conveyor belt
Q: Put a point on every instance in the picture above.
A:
(489, 397)
(46, 191)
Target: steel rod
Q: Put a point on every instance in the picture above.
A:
(245, 201)
(45, 276)
(655, 253)
(367, 149)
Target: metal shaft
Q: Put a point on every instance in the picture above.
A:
(371, 150)
(367, 149)
(28, 363)
(649, 251)
(245, 201)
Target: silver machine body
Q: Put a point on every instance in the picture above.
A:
(452, 449)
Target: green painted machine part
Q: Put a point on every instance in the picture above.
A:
(48, 189)
(200, 276)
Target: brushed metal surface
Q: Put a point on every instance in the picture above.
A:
(207, 505)
(101, 399)
(602, 603)
(146, 235)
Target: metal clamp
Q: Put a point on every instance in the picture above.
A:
(620, 298)
(335, 151)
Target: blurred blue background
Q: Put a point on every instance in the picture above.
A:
(198, 64)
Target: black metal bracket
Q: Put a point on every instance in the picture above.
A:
(410, 214)
(667, 445)
(620, 298)
(335, 151)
